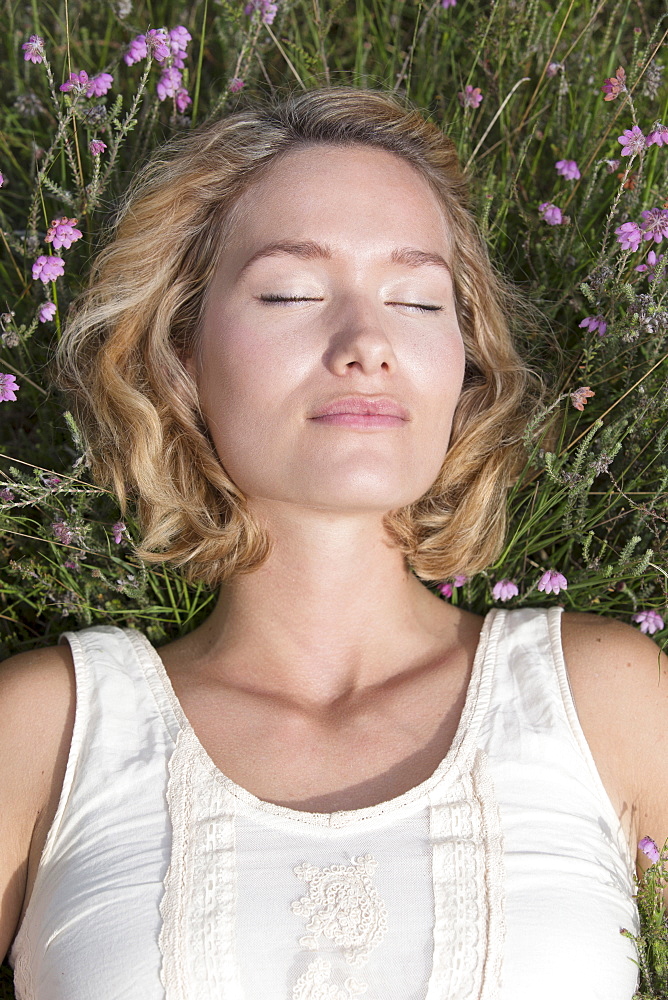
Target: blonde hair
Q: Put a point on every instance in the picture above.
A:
(120, 359)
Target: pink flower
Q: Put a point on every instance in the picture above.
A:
(169, 83)
(157, 43)
(550, 213)
(178, 41)
(7, 496)
(62, 233)
(553, 68)
(629, 235)
(99, 85)
(658, 136)
(8, 388)
(580, 396)
(51, 481)
(460, 580)
(654, 224)
(46, 312)
(615, 85)
(594, 323)
(96, 147)
(445, 589)
(182, 99)
(70, 564)
(652, 263)
(470, 97)
(33, 50)
(504, 590)
(2, 180)
(448, 3)
(63, 532)
(78, 82)
(649, 849)
(568, 169)
(236, 83)
(48, 268)
(136, 50)
(117, 531)
(649, 621)
(267, 10)
(632, 140)
(552, 582)
(611, 165)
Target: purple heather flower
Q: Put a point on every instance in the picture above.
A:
(48, 268)
(580, 396)
(137, 50)
(445, 589)
(553, 68)
(7, 496)
(568, 169)
(550, 213)
(157, 42)
(182, 99)
(96, 147)
(649, 849)
(117, 531)
(552, 582)
(633, 141)
(178, 40)
(236, 83)
(629, 235)
(504, 590)
(649, 621)
(51, 481)
(470, 97)
(8, 388)
(615, 85)
(459, 580)
(2, 180)
(611, 165)
(654, 224)
(658, 136)
(448, 3)
(78, 82)
(169, 82)
(63, 532)
(594, 323)
(652, 263)
(46, 312)
(99, 85)
(33, 50)
(62, 233)
(267, 10)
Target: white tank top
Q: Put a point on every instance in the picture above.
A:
(505, 875)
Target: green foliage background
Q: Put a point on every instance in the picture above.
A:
(593, 501)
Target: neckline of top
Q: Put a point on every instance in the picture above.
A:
(457, 760)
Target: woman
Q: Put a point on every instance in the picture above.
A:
(295, 355)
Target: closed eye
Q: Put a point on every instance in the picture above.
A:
(408, 305)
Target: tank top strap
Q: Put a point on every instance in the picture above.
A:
(532, 709)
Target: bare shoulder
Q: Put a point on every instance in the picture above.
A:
(619, 679)
(37, 707)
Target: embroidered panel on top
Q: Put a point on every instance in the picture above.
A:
(344, 906)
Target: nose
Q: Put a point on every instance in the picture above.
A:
(360, 337)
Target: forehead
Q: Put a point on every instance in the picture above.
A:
(356, 194)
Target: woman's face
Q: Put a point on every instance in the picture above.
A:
(265, 368)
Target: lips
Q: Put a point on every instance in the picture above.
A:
(364, 406)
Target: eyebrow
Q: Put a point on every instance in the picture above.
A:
(309, 250)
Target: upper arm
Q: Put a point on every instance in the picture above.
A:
(37, 700)
(620, 679)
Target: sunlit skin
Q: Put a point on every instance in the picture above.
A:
(334, 608)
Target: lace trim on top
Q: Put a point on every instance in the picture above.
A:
(458, 757)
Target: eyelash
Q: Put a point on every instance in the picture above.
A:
(410, 305)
